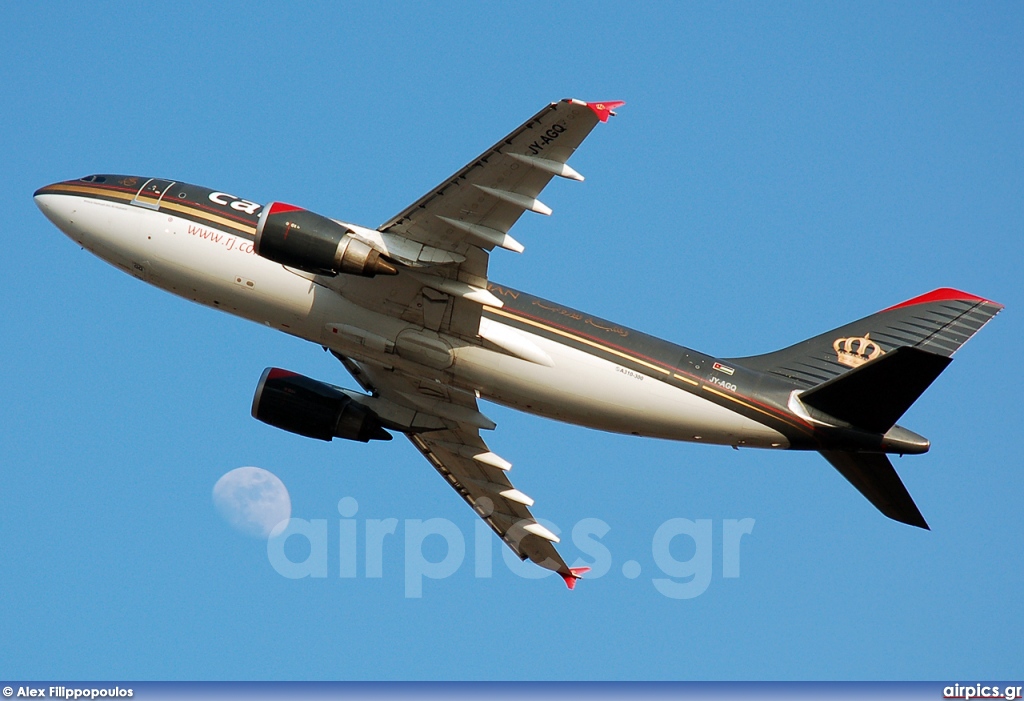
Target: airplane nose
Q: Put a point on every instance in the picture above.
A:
(39, 197)
(57, 208)
(45, 201)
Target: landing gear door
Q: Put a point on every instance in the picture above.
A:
(151, 193)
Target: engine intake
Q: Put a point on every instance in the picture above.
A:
(301, 239)
(299, 404)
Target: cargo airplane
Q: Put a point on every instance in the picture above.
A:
(409, 311)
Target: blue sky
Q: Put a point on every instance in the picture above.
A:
(777, 171)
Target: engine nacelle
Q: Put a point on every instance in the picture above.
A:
(301, 239)
(302, 405)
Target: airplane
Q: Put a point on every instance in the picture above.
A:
(409, 311)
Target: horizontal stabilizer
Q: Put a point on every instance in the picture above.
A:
(875, 477)
(875, 395)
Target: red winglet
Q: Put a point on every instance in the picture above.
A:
(603, 110)
(574, 574)
(944, 294)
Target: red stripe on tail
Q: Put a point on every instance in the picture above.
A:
(943, 294)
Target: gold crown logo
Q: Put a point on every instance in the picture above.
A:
(856, 350)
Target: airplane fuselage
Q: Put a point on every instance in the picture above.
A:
(532, 354)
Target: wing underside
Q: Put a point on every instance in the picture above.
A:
(463, 459)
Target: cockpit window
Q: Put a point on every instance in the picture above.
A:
(94, 179)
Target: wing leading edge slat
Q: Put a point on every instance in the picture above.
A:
(491, 192)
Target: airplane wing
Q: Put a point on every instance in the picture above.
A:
(463, 459)
(454, 227)
(444, 239)
(476, 207)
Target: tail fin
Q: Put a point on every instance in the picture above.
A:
(868, 373)
(874, 477)
(874, 396)
(938, 322)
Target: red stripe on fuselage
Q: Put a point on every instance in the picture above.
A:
(787, 418)
(100, 187)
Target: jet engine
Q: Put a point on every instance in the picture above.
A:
(301, 239)
(301, 405)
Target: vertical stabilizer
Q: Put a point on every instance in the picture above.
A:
(938, 322)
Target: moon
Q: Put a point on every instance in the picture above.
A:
(252, 500)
